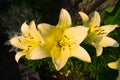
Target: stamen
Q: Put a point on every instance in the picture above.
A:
(29, 34)
(96, 26)
(29, 46)
(103, 30)
(28, 49)
(99, 31)
(65, 36)
(19, 40)
(69, 46)
(102, 33)
(63, 49)
(58, 44)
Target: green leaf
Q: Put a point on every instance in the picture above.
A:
(112, 16)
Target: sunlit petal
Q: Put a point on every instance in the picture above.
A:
(109, 28)
(85, 18)
(114, 65)
(99, 50)
(60, 56)
(38, 53)
(76, 34)
(64, 19)
(32, 26)
(25, 28)
(18, 42)
(95, 20)
(80, 53)
(107, 41)
(44, 28)
(19, 55)
(34, 32)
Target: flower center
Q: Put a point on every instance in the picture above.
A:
(30, 42)
(66, 41)
(98, 30)
(95, 35)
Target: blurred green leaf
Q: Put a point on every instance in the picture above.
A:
(110, 9)
(112, 15)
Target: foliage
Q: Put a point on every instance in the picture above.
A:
(112, 14)
(16, 15)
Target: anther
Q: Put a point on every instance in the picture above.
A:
(19, 40)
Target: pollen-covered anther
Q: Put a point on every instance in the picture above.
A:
(69, 45)
(59, 44)
(63, 48)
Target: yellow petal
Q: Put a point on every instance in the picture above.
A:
(80, 53)
(85, 18)
(25, 28)
(114, 65)
(38, 53)
(19, 55)
(32, 26)
(44, 28)
(109, 28)
(33, 30)
(64, 20)
(76, 34)
(107, 41)
(35, 33)
(18, 42)
(95, 20)
(99, 50)
(60, 56)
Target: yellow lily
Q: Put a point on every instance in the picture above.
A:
(115, 65)
(62, 41)
(97, 35)
(29, 41)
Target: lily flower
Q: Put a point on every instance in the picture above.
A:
(29, 41)
(62, 41)
(97, 35)
(115, 65)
